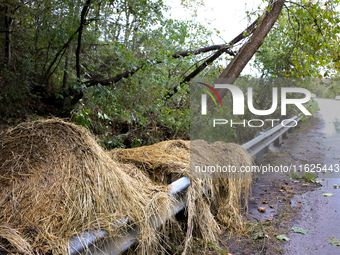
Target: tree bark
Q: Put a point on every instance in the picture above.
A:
(8, 29)
(84, 12)
(8, 18)
(78, 95)
(67, 65)
(48, 73)
(248, 50)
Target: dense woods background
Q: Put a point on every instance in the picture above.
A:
(121, 68)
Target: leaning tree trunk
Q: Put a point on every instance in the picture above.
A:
(248, 50)
(233, 70)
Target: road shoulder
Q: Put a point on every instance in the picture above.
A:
(289, 200)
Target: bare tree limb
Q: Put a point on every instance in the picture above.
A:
(126, 74)
(113, 79)
(206, 63)
(179, 54)
(199, 69)
(45, 77)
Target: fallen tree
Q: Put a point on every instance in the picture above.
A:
(257, 32)
(248, 50)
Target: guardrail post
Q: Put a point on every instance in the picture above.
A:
(266, 149)
(290, 130)
(259, 157)
(277, 140)
(284, 135)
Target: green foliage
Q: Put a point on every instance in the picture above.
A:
(126, 35)
(309, 176)
(13, 99)
(82, 116)
(303, 42)
(137, 113)
(283, 237)
(118, 36)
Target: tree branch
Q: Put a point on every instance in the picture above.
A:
(113, 79)
(206, 63)
(298, 34)
(126, 74)
(199, 69)
(61, 50)
(81, 27)
(57, 55)
(179, 54)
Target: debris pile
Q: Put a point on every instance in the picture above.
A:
(56, 182)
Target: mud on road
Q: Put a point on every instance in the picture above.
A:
(302, 201)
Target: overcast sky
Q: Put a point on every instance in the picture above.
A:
(229, 17)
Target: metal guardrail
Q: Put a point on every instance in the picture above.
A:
(95, 242)
(259, 144)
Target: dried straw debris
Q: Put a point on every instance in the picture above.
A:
(56, 181)
(213, 204)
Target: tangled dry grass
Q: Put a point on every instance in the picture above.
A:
(213, 204)
(56, 181)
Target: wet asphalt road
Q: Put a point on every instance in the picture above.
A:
(320, 215)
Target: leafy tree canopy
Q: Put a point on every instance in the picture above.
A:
(303, 43)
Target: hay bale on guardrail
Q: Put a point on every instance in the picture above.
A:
(158, 161)
(213, 203)
(226, 189)
(56, 181)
